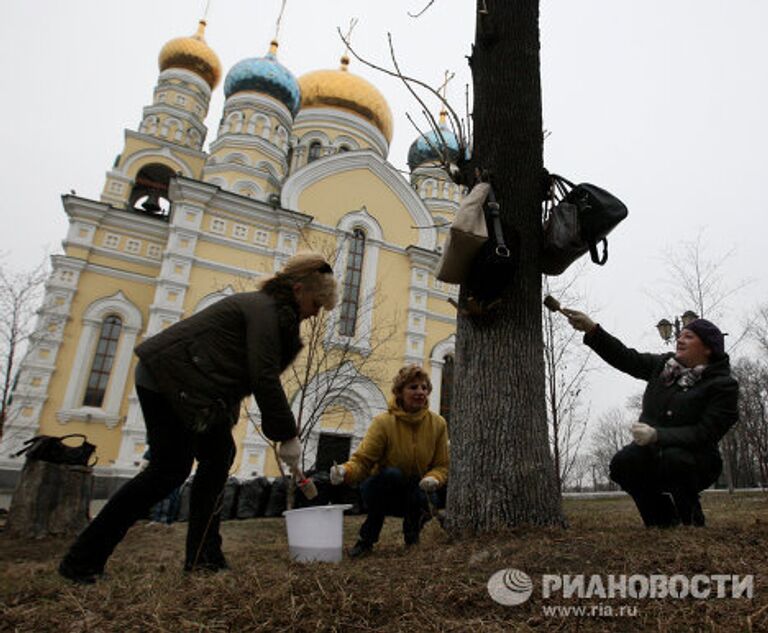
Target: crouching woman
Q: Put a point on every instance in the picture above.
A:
(402, 462)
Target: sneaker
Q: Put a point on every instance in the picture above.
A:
(79, 575)
(360, 549)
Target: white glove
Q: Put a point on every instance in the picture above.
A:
(429, 484)
(643, 434)
(578, 320)
(337, 474)
(290, 452)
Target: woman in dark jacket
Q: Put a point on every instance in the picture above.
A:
(191, 379)
(690, 402)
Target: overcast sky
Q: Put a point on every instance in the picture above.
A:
(664, 103)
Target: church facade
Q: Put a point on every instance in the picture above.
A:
(296, 164)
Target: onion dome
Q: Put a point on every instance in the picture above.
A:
(266, 75)
(342, 89)
(192, 53)
(431, 147)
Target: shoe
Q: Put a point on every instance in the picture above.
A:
(360, 549)
(79, 575)
(212, 563)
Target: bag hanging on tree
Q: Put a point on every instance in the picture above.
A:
(467, 235)
(49, 448)
(496, 262)
(583, 217)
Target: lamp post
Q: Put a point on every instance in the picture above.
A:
(670, 331)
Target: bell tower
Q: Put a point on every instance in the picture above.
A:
(171, 134)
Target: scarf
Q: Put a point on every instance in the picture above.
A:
(411, 418)
(684, 376)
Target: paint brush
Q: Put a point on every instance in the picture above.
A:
(552, 304)
(305, 484)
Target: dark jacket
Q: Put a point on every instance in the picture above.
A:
(210, 361)
(695, 417)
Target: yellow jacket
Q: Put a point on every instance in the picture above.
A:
(416, 443)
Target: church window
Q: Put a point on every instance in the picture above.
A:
(240, 232)
(343, 148)
(314, 151)
(446, 387)
(102, 361)
(111, 240)
(153, 250)
(150, 191)
(181, 99)
(218, 226)
(132, 246)
(352, 280)
(261, 237)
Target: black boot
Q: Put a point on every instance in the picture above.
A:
(360, 549)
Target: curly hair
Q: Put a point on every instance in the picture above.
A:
(407, 375)
(310, 269)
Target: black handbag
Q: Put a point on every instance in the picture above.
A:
(50, 448)
(495, 264)
(583, 217)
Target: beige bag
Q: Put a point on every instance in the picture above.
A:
(468, 233)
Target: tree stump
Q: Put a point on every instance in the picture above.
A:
(50, 500)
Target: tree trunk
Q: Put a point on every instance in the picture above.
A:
(501, 469)
(50, 500)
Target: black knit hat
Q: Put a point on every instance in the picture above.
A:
(710, 335)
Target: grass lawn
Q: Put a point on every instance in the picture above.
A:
(440, 585)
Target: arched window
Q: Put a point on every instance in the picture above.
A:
(446, 388)
(314, 151)
(343, 148)
(350, 298)
(150, 191)
(102, 361)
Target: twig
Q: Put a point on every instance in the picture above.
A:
(420, 13)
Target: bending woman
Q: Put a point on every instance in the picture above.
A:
(402, 459)
(689, 404)
(191, 379)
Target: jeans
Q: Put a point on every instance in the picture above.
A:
(391, 493)
(653, 474)
(174, 449)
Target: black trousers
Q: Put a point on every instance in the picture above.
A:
(174, 449)
(651, 474)
(391, 493)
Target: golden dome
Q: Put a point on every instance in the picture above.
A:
(192, 53)
(341, 89)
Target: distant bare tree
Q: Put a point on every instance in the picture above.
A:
(566, 365)
(610, 435)
(751, 433)
(20, 296)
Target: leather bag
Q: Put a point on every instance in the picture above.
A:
(467, 235)
(582, 218)
(50, 448)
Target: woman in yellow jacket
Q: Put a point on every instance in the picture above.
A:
(402, 459)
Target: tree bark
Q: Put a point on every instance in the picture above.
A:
(501, 470)
(50, 500)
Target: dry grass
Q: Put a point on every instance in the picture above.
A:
(438, 586)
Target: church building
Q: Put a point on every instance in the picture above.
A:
(295, 164)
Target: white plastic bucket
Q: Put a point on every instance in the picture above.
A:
(316, 533)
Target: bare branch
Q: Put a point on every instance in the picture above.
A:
(423, 11)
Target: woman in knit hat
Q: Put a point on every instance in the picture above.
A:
(689, 404)
(191, 378)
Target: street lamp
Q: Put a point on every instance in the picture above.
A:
(668, 330)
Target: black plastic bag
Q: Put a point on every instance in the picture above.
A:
(51, 448)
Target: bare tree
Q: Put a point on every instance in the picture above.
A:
(20, 296)
(566, 364)
(610, 435)
(751, 433)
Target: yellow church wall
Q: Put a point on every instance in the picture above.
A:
(338, 420)
(92, 287)
(333, 197)
(133, 145)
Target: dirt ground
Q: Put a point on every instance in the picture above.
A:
(440, 585)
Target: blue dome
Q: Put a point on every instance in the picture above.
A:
(267, 75)
(427, 147)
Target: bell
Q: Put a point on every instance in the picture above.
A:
(151, 204)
